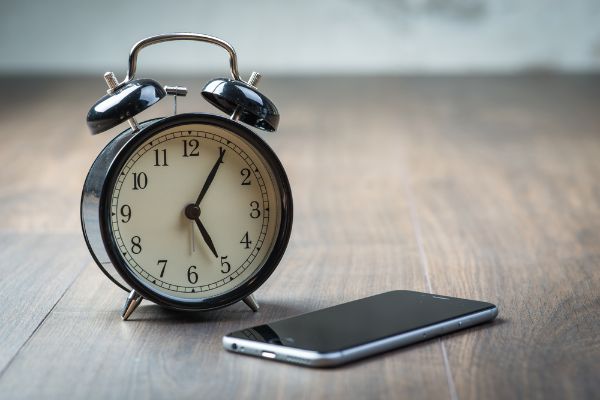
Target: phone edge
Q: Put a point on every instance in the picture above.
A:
(313, 358)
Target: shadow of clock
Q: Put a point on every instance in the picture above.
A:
(268, 311)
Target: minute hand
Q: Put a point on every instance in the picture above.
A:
(210, 176)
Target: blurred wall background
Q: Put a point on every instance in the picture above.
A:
(305, 37)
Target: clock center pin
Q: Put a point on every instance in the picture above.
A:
(192, 211)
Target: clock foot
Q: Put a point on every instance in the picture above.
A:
(132, 302)
(252, 303)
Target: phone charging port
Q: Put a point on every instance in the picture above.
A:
(267, 354)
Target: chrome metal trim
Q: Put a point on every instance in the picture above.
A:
(251, 302)
(282, 353)
(112, 82)
(131, 303)
(418, 335)
(167, 37)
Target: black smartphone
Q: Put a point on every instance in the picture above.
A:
(360, 328)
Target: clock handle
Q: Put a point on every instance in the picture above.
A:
(168, 37)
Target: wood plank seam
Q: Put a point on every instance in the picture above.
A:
(14, 357)
(416, 225)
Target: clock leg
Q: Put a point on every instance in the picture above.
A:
(131, 303)
(252, 303)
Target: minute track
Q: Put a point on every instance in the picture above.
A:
(258, 241)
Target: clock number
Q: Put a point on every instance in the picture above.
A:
(246, 174)
(190, 148)
(255, 212)
(136, 245)
(226, 266)
(192, 275)
(140, 180)
(246, 241)
(126, 213)
(164, 265)
(160, 158)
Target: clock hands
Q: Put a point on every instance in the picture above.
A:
(206, 237)
(210, 176)
(192, 237)
(192, 211)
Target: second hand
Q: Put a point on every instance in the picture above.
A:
(192, 238)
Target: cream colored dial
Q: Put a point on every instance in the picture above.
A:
(163, 246)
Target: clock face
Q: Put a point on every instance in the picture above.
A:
(194, 212)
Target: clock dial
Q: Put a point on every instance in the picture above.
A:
(194, 212)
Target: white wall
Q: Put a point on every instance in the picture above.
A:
(310, 36)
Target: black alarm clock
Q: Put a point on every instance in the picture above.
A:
(191, 211)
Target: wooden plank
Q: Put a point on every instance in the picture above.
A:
(35, 271)
(505, 181)
(487, 184)
(46, 152)
(84, 350)
(352, 237)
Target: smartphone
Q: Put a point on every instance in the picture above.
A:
(361, 328)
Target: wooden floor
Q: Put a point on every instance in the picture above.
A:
(485, 188)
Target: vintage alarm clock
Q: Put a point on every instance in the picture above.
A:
(191, 211)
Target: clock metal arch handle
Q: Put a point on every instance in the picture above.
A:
(168, 37)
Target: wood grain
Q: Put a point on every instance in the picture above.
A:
(522, 229)
(475, 187)
(35, 271)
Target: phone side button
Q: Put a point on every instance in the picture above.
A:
(268, 354)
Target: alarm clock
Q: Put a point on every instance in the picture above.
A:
(190, 211)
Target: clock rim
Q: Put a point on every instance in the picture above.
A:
(278, 248)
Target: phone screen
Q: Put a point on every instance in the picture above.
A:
(362, 321)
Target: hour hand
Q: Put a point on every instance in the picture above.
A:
(206, 237)
(193, 212)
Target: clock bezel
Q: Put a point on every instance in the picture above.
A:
(278, 248)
